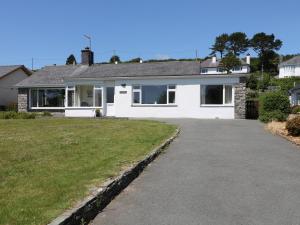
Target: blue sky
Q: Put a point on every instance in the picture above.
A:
(50, 30)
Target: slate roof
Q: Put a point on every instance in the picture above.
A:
(50, 76)
(55, 75)
(5, 70)
(293, 61)
(209, 64)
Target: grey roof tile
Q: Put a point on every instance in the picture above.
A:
(293, 61)
(4, 70)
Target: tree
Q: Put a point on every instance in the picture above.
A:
(220, 45)
(266, 46)
(114, 59)
(229, 62)
(252, 82)
(262, 43)
(135, 60)
(71, 60)
(238, 43)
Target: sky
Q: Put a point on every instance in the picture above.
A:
(50, 30)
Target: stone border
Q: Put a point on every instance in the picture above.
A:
(91, 206)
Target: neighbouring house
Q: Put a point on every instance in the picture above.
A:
(290, 68)
(295, 95)
(9, 77)
(213, 66)
(175, 89)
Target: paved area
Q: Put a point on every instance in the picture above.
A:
(217, 172)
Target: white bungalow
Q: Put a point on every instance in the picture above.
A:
(174, 89)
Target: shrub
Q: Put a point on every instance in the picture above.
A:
(295, 109)
(17, 115)
(12, 107)
(293, 126)
(273, 116)
(46, 113)
(273, 106)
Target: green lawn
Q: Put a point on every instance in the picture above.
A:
(47, 165)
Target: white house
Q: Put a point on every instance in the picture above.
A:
(175, 89)
(290, 68)
(9, 77)
(213, 66)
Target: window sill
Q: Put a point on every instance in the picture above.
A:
(203, 105)
(47, 107)
(92, 107)
(154, 105)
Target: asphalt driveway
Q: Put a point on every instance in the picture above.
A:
(216, 172)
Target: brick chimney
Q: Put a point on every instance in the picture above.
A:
(87, 56)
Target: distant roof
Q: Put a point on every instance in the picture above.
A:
(55, 75)
(293, 61)
(209, 64)
(5, 70)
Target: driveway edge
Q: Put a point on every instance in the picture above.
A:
(86, 210)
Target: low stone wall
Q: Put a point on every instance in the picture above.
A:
(22, 99)
(240, 99)
(89, 208)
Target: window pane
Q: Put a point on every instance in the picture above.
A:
(54, 98)
(154, 94)
(85, 95)
(212, 94)
(71, 98)
(171, 97)
(136, 97)
(33, 98)
(110, 93)
(41, 98)
(228, 94)
(98, 97)
(172, 86)
(136, 87)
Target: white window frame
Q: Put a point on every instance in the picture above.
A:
(97, 87)
(73, 87)
(139, 90)
(37, 97)
(205, 70)
(219, 105)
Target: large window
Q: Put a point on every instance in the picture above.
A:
(47, 98)
(216, 94)
(86, 96)
(154, 94)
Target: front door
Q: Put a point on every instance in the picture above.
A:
(110, 101)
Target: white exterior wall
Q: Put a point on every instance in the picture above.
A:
(8, 91)
(187, 100)
(283, 73)
(245, 69)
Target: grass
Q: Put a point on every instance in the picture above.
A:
(47, 164)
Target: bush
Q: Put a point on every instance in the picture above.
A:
(12, 107)
(273, 106)
(293, 126)
(46, 113)
(295, 109)
(273, 116)
(17, 115)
